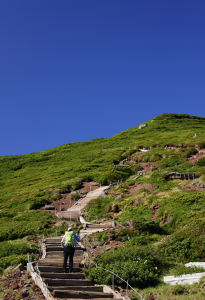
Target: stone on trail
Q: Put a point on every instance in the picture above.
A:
(18, 268)
(49, 207)
(142, 126)
(96, 244)
(94, 184)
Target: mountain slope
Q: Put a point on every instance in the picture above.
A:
(29, 181)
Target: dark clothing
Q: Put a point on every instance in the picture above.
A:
(68, 251)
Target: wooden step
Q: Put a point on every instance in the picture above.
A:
(57, 247)
(81, 294)
(56, 269)
(56, 239)
(79, 288)
(60, 253)
(52, 241)
(68, 282)
(92, 299)
(61, 257)
(56, 263)
(63, 275)
(99, 226)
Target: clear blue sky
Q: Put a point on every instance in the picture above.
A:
(83, 69)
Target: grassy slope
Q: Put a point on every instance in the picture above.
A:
(29, 181)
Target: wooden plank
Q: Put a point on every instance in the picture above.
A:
(61, 258)
(56, 264)
(60, 253)
(92, 299)
(63, 275)
(55, 269)
(69, 282)
(98, 226)
(79, 288)
(81, 294)
(57, 247)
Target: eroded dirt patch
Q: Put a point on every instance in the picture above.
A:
(134, 189)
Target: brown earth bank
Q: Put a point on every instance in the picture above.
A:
(195, 157)
(66, 202)
(134, 189)
(19, 285)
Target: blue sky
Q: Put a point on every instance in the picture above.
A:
(77, 70)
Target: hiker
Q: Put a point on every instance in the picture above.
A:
(68, 243)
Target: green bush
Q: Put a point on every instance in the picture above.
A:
(133, 213)
(181, 269)
(12, 260)
(137, 266)
(147, 225)
(191, 151)
(97, 208)
(24, 224)
(201, 162)
(160, 181)
(75, 197)
(180, 290)
(172, 161)
(15, 248)
(201, 145)
(184, 246)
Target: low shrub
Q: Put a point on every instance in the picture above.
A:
(172, 161)
(96, 208)
(75, 197)
(180, 290)
(136, 265)
(147, 225)
(24, 224)
(181, 269)
(15, 248)
(201, 145)
(184, 246)
(133, 213)
(12, 260)
(201, 162)
(115, 207)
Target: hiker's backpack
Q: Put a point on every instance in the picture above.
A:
(69, 239)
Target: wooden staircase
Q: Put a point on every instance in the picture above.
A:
(68, 285)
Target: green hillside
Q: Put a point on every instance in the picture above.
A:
(30, 181)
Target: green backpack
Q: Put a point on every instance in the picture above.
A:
(69, 239)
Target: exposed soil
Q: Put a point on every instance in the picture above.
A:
(65, 202)
(134, 189)
(190, 188)
(162, 240)
(147, 167)
(195, 157)
(19, 284)
(108, 246)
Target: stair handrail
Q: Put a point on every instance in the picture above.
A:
(112, 272)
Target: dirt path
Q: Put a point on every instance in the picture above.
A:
(195, 157)
(75, 210)
(65, 202)
(134, 189)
